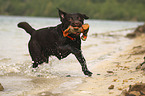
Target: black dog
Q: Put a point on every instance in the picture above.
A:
(50, 41)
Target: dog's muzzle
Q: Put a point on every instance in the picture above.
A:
(77, 31)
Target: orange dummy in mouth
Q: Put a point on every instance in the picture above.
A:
(77, 30)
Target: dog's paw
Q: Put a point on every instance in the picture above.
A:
(35, 65)
(88, 73)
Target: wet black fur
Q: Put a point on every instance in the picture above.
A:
(50, 41)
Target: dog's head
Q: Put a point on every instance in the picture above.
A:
(75, 19)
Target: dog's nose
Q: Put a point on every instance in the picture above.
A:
(77, 24)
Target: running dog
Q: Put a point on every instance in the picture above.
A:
(51, 41)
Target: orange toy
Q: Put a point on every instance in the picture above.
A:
(74, 30)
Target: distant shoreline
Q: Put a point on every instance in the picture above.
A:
(130, 10)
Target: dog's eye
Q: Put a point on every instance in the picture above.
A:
(70, 19)
(79, 18)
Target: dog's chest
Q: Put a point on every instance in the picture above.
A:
(60, 54)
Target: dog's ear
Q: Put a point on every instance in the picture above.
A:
(85, 16)
(61, 14)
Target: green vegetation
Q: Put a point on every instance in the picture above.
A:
(95, 9)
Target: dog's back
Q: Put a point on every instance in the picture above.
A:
(45, 36)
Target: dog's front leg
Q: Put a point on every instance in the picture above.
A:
(81, 59)
(79, 56)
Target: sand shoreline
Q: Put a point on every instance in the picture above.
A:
(120, 72)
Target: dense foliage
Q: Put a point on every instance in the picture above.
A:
(96, 9)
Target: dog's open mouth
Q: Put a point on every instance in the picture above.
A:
(77, 31)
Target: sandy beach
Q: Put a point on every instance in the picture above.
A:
(119, 72)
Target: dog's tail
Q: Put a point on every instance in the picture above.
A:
(26, 27)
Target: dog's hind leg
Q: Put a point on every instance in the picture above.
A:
(36, 54)
(45, 57)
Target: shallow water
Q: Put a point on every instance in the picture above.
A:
(16, 74)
